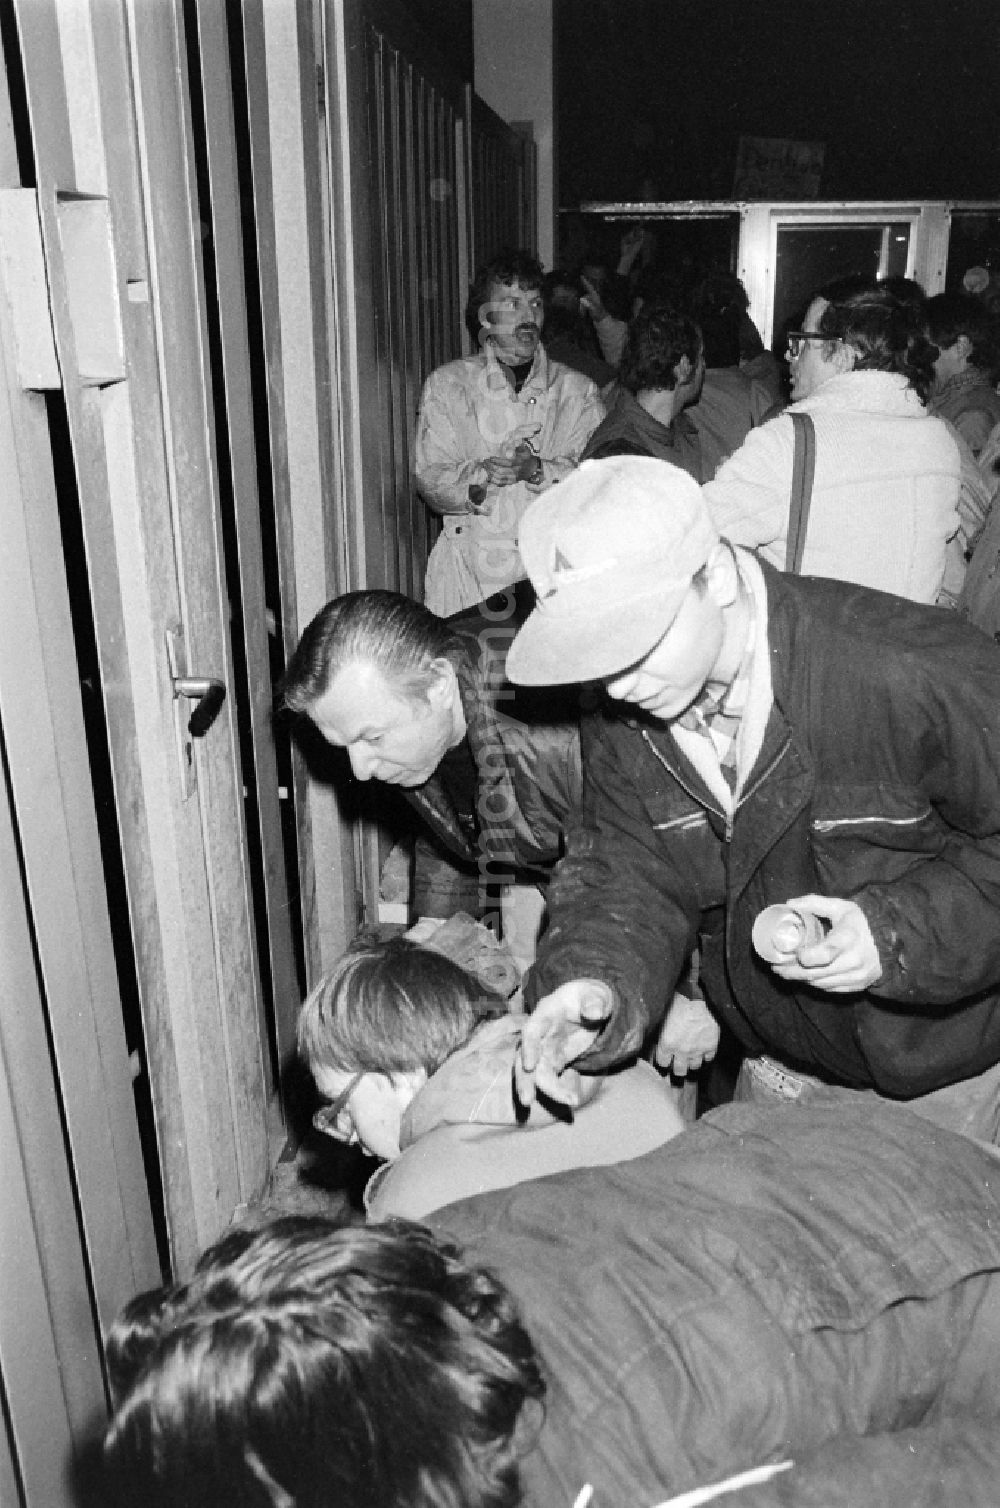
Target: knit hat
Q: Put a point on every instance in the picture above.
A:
(611, 552)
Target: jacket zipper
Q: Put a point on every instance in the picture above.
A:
(680, 824)
(827, 824)
(683, 783)
(744, 795)
(750, 790)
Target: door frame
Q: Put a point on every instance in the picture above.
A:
(928, 253)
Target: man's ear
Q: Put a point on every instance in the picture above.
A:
(407, 1083)
(722, 575)
(683, 372)
(844, 357)
(443, 689)
(527, 1426)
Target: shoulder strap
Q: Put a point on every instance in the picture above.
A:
(803, 467)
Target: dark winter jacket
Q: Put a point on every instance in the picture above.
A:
(774, 1284)
(628, 426)
(525, 745)
(878, 781)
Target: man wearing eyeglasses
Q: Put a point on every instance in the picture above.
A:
(885, 495)
(414, 1056)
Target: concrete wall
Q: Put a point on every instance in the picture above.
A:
(515, 75)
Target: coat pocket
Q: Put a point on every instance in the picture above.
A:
(874, 842)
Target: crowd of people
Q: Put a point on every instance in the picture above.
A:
(693, 647)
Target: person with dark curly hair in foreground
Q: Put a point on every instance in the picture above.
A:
(808, 1295)
(662, 371)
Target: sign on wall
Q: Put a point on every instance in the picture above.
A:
(772, 167)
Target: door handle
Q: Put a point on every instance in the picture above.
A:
(208, 693)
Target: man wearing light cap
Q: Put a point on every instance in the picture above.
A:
(775, 739)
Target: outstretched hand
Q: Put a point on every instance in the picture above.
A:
(561, 1027)
(845, 960)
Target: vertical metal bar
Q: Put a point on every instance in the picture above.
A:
(50, 1351)
(382, 193)
(41, 1425)
(399, 249)
(315, 452)
(240, 457)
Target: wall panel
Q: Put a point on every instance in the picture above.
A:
(403, 126)
(501, 184)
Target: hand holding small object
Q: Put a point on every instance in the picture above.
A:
(780, 931)
(500, 470)
(843, 960)
(521, 466)
(527, 462)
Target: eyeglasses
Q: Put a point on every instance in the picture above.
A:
(796, 339)
(335, 1119)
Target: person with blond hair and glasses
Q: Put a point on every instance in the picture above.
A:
(414, 1057)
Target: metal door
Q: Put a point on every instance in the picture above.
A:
(102, 256)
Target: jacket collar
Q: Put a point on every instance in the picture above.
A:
(479, 657)
(494, 376)
(758, 704)
(431, 799)
(769, 743)
(962, 382)
(864, 392)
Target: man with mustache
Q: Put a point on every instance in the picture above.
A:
(493, 431)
